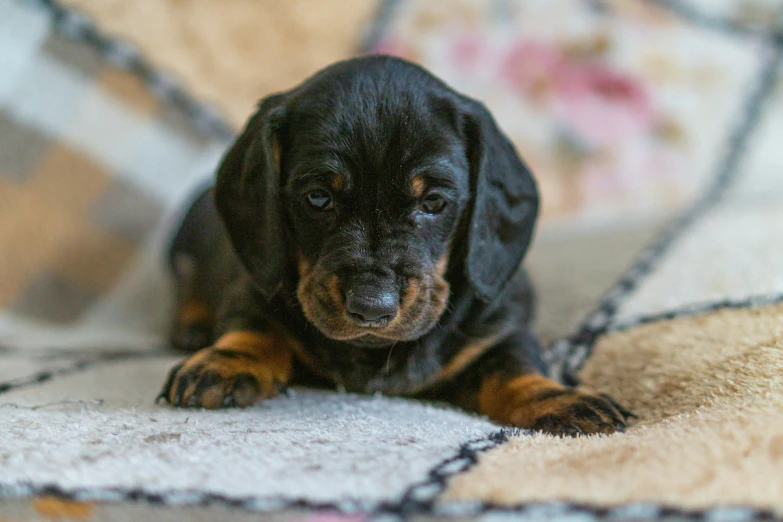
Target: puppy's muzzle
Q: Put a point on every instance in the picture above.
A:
(372, 306)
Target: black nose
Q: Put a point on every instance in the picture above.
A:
(371, 307)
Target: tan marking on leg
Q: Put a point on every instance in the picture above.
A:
(192, 312)
(533, 401)
(472, 351)
(266, 357)
(274, 349)
(511, 401)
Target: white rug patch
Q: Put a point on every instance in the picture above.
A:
(735, 251)
(315, 445)
(762, 173)
(15, 367)
(728, 255)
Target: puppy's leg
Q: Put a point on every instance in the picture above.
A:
(204, 266)
(241, 368)
(251, 360)
(507, 385)
(194, 317)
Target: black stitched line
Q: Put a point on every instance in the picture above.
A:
(75, 367)
(387, 511)
(43, 376)
(122, 55)
(180, 498)
(379, 26)
(48, 352)
(628, 511)
(420, 498)
(567, 356)
(699, 309)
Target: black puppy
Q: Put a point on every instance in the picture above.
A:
(373, 226)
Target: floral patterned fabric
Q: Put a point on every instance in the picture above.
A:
(620, 108)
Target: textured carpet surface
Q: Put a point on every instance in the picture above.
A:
(98, 150)
(100, 429)
(709, 394)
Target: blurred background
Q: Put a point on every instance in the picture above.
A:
(111, 112)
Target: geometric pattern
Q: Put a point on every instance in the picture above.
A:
(93, 168)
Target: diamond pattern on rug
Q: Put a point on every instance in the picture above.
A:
(22, 146)
(89, 167)
(53, 298)
(126, 211)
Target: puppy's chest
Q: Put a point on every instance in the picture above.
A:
(360, 369)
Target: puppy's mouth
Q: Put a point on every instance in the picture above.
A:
(421, 303)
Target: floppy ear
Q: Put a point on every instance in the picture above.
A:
(505, 205)
(247, 197)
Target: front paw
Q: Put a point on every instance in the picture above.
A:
(537, 403)
(220, 377)
(569, 412)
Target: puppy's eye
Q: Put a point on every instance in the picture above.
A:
(320, 200)
(432, 204)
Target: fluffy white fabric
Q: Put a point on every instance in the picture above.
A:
(100, 428)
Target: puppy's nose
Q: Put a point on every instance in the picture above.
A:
(371, 307)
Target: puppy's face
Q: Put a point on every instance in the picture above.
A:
(363, 184)
(376, 182)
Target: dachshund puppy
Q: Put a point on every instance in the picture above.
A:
(366, 231)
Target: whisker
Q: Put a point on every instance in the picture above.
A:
(388, 359)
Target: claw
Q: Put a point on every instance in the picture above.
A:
(164, 393)
(618, 419)
(619, 407)
(182, 386)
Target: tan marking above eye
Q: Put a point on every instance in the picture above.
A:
(418, 186)
(337, 182)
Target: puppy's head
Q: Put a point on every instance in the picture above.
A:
(379, 189)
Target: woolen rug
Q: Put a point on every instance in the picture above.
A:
(100, 150)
